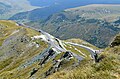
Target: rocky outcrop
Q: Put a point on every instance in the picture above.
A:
(57, 64)
(49, 54)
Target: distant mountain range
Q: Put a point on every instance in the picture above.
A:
(97, 24)
(28, 10)
(50, 7)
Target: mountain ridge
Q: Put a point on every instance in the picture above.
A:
(27, 53)
(99, 11)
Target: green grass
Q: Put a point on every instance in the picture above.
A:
(107, 68)
(79, 41)
(59, 56)
(9, 27)
(67, 64)
(83, 51)
(5, 63)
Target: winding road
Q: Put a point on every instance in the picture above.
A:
(92, 51)
(57, 44)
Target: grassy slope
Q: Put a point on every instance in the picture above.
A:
(79, 41)
(10, 64)
(107, 68)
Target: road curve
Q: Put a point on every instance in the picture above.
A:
(92, 51)
(59, 46)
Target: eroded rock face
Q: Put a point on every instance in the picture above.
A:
(48, 55)
(15, 44)
(67, 55)
(57, 64)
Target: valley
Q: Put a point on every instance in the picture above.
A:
(71, 23)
